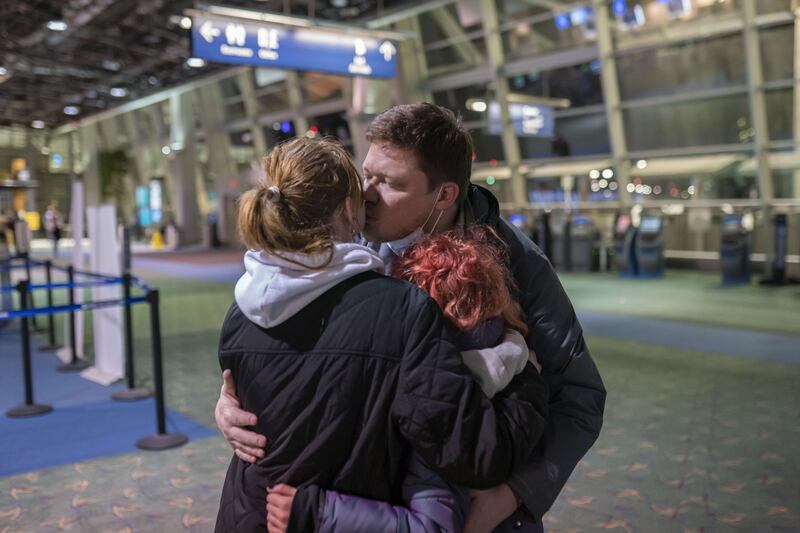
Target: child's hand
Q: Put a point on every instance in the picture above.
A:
(279, 507)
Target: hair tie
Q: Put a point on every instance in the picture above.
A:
(274, 194)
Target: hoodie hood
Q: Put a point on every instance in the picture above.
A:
(275, 287)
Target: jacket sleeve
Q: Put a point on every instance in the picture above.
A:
(577, 394)
(494, 368)
(430, 505)
(442, 412)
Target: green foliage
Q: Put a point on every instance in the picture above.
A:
(113, 168)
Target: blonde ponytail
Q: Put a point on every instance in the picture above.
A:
(292, 210)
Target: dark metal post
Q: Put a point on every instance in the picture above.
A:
(51, 322)
(28, 408)
(131, 393)
(75, 363)
(161, 440)
(26, 256)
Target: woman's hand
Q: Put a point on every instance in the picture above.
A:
(279, 507)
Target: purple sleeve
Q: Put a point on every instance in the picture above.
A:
(429, 505)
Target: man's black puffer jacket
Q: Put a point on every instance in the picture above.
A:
(344, 388)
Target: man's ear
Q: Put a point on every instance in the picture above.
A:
(448, 196)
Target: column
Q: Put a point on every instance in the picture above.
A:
(611, 100)
(252, 111)
(511, 151)
(758, 116)
(182, 166)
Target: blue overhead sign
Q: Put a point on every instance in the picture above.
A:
(245, 42)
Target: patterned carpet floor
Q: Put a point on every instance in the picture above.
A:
(694, 440)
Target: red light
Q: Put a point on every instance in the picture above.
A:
(233, 184)
(493, 162)
(637, 181)
(314, 128)
(474, 156)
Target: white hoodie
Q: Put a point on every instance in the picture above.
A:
(273, 289)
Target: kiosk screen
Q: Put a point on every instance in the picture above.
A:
(650, 225)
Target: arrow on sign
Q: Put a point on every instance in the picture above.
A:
(388, 50)
(209, 32)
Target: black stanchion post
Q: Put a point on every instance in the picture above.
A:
(28, 408)
(26, 256)
(75, 363)
(51, 322)
(161, 440)
(131, 393)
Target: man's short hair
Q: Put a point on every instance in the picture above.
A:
(442, 144)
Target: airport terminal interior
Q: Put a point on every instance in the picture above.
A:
(650, 148)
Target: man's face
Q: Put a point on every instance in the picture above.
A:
(396, 195)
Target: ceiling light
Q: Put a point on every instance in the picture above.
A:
(641, 164)
(57, 25)
(118, 92)
(110, 64)
(3, 71)
(594, 174)
(608, 173)
(37, 124)
(166, 150)
(339, 3)
(196, 62)
(186, 23)
(45, 150)
(71, 110)
(477, 105)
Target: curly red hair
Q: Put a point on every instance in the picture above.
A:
(465, 273)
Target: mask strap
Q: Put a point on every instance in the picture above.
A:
(433, 208)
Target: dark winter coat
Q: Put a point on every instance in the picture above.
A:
(347, 386)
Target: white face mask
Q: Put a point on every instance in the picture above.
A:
(401, 245)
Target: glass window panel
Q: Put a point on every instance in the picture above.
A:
(541, 36)
(241, 138)
(575, 136)
(235, 111)
(333, 125)
(456, 99)
(547, 190)
(659, 13)
(318, 87)
(279, 131)
(771, 6)
(776, 57)
(463, 17)
(780, 108)
(230, 87)
(724, 120)
(580, 84)
(685, 67)
(460, 55)
(273, 99)
(487, 146)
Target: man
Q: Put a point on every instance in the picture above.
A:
(416, 179)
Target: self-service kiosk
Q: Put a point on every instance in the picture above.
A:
(778, 267)
(734, 251)
(581, 244)
(650, 247)
(624, 246)
(542, 236)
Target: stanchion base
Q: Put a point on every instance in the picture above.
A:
(49, 348)
(25, 410)
(74, 366)
(131, 395)
(162, 441)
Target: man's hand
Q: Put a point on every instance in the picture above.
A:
(489, 508)
(231, 419)
(279, 507)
